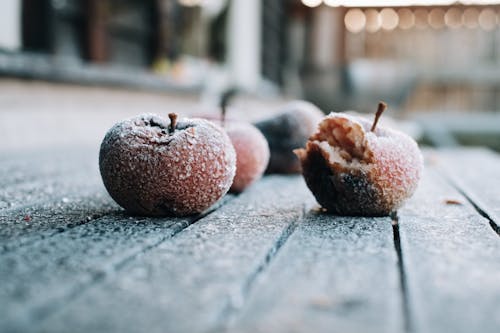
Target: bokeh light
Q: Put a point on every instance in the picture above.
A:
(471, 18)
(373, 20)
(421, 18)
(487, 19)
(406, 18)
(436, 18)
(389, 18)
(355, 20)
(453, 18)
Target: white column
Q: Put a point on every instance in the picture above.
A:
(327, 34)
(10, 18)
(244, 43)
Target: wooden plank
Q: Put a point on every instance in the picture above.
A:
(186, 283)
(24, 196)
(451, 261)
(45, 193)
(335, 274)
(22, 167)
(476, 173)
(41, 176)
(32, 222)
(42, 276)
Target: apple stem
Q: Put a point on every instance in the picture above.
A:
(173, 122)
(225, 98)
(223, 115)
(381, 108)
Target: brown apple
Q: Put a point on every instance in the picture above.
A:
(152, 166)
(354, 167)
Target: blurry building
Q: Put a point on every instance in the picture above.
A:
(439, 55)
(180, 39)
(432, 55)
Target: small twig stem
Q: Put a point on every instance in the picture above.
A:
(381, 108)
(173, 122)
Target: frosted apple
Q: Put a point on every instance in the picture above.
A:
(250, 145)
(288, 130)
(252, 154)
(152, 166)
(355, 168)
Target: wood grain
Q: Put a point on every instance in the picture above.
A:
(451, 261)
(45, 193)
(334, 274)
(476, 173)
(262, 261)
(41, 277)
(175, 284)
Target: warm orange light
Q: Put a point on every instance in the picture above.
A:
(389, 18)
(436, 18)
(453, 18)
(421, 18)
(373, 20)
(406, 18)
(355, 20)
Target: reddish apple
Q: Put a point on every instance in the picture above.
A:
(151, 166)
(354, 167)
(252, 154)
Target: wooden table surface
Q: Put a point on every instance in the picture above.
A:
(264, 261)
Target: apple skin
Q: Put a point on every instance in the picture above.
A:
(149, 170)
(252, 154)
(289, 130)
(354, 171)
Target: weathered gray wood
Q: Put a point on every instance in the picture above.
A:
(187, 283)
(335, 274)
(29, 193)
(40, 277)
(108, 272)
(476, 172)
(44, 193)
(451, 261)
(25, 166)
(59, 212)
(40, 177)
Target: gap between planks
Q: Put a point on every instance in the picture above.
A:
(495, 225)
(44, 312)
(449, 260)
(473, 172)
(90, 218)
(403, 283)
(254, 235)
(237, 302)
(405, 292)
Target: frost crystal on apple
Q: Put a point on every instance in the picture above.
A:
(352, 170)
(149, 168)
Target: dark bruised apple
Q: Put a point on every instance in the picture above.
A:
(287, 131)
(355, 168)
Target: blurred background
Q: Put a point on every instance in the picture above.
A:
(69, 69)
